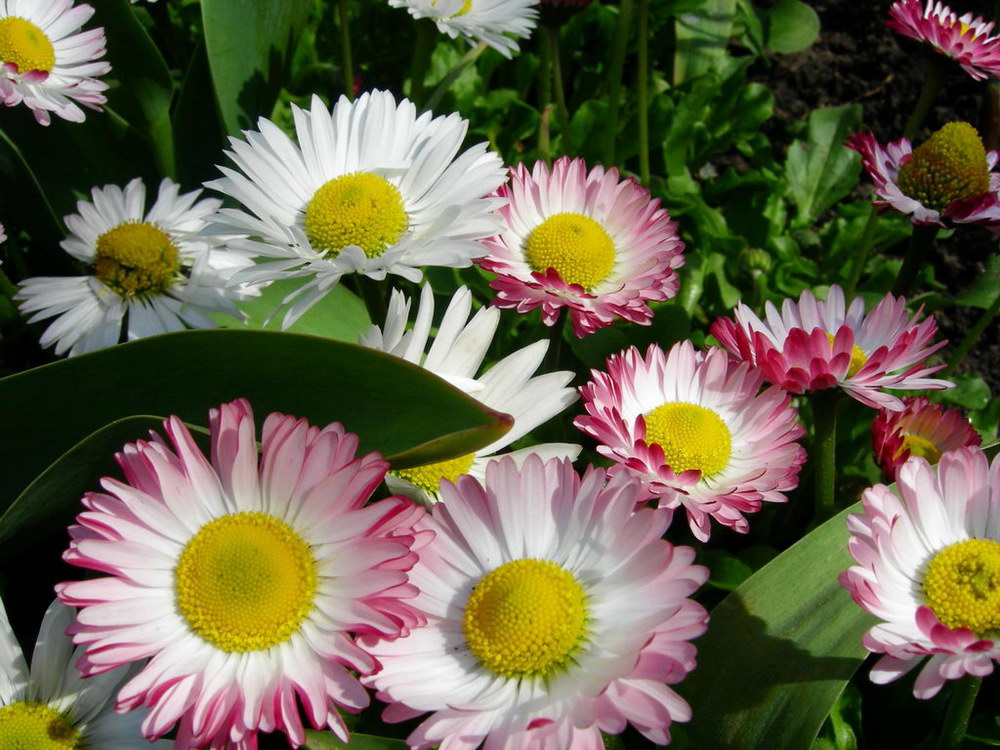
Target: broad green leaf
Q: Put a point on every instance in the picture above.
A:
(984, 290)
(249, 43)
(327, 741)
(970, 391)
(792, 26)
(702, 37)
(779, 649)
(394, 406)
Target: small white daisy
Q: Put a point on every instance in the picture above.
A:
(474, 20)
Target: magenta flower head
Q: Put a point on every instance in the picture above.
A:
(967, 40)
(242, 581)
(815, 344)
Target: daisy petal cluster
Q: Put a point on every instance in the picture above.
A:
(695, 429)
(525, 584)
(921, 429)
(492, 21)
(244, 580)
(51, 706)
(587, 241)
(370, 187)
(966, 39)
(47, 63)
(817, 344)
(914, 548)
(151, 267)
(510, 386)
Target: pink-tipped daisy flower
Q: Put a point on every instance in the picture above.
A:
(587, 241)
(498, 23)
(695, 429)
(966, 39)
(815, 344)
(46, 62)
(949, 176)
(921, 429)
(242, 581)
(555, 612)
(914, 547)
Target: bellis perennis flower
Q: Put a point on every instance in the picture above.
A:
(242, 582)
(555, 612)
(913, 548)
(966, 39)
(488, 20)
(816, 344)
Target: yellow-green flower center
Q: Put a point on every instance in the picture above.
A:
(948, 166)
(691, 436)
(360, 209)
(35, 726)
(25, 45)
(962, 585)
(526, 618)
(920, 446)
(858, 357)
(136, 258)
(429, 476)
(576, 246)
(245, 582)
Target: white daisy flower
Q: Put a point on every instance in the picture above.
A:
(369, 188)
(51, 707)
(509, 386)
(474, 20)
(152, 268)
(46, 62)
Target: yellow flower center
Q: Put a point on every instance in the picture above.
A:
(526, 618)
(858, 357)
(963, 29)
(920, 446)
(360, 209)
(576, 246)
(466, 7)
(691, 436)
(25, 45)
(948, 166)
(245, 582)
(429, 476)
(35, 726)
(962, 585)
(136, 258)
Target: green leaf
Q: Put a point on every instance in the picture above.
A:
(702, 37)
(779, 649)
(792, 26)
(984, 290)
(410, 415)
(326, 741)
(970, 391)
(249, 44)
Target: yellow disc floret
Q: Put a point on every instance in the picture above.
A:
(948, 166)
(526, 618)
(360, 209)
(962, 585)
(429, 476)
(35, 726)
(858, 357)
(920, 446)
(136, 258)
(245, 582)
(25, 45)
(692, 437)
(576, 246)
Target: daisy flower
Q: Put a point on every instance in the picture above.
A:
(51, 707)
(242, 582)
(527, 584)
(149, 270)
(46, 62)
(693, 427)
(920, 429)
(488, 20)
(456, 355)
(815, 344)
(371, 188)
(949, 176)
(915, 547)
(589, 242)
(967, 40)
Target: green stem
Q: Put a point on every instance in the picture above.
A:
(861, 253)
(921, 241)
(937, 73)
(345, 43)
(7, 287)
(824, 452)
(615, 79)
(552, 32)
(643, 84)
(544, 92)
(972, 336)
(422, 51)
(956, 718)
(442, 88)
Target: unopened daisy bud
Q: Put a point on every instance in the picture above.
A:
(949, 166)
(756, 260)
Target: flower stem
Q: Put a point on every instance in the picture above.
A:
(615, 79)
(347, 62)
(921, 242)
(937, 73)
(824, 453)
(972, 336)
(562, 112)
(643, 85)
(442, 88)
(956, 718)
(544, 92)
(422, 51)
(861, 253)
